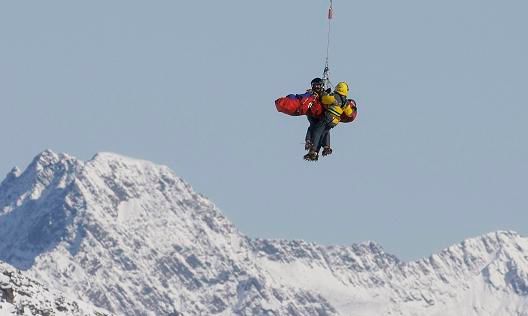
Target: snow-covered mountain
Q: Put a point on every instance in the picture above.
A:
(132, 237)
(20, 295)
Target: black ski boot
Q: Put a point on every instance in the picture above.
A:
(327, 151)
(312, 155)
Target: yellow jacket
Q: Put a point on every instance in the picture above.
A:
(335, 109)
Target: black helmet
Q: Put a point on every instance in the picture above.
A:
(317, 81)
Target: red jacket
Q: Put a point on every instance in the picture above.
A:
(299, 104)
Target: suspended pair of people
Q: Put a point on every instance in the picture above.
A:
(335, 105)
(324, 110)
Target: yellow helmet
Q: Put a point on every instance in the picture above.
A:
(342, 88)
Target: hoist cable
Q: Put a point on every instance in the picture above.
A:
(326, 75)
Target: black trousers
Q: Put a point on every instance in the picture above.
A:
(310, 132)
(321, 132)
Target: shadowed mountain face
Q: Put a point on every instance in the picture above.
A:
(132, 237)
(37, 207)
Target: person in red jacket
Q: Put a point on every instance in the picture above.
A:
(317, 89)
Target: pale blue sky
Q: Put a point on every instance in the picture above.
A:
(438, 152)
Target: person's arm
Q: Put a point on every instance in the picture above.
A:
(328, 100)
(349, 108)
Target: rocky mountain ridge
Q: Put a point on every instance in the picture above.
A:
(20, 295)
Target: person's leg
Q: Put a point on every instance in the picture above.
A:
(318, 131)
(327, 150)
(324, 134)
(308, 140)
(326, 139)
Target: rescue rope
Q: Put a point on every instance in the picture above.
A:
(326, 71)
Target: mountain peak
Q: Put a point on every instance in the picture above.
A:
(118, 166)
(48, 170)
(110, 156)
(12, 175)
(46, 154)
(488, 243)
(48, 158)
(505, 235)
(15, 172)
